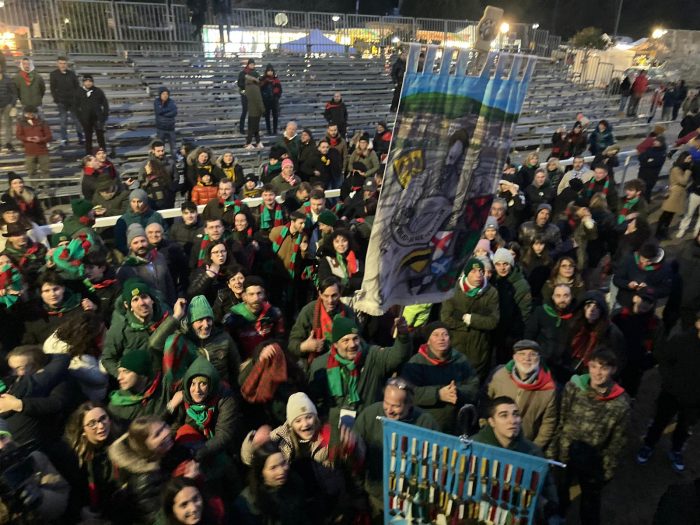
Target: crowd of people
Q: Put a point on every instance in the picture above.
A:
(213, 369)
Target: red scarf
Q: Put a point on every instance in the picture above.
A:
(583, 344)
(262, 382)
(650, 327)
(425, 352)
(323, 323)
(104, 284)
(544, 379)
(26, 77)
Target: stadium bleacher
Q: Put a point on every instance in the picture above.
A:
(209, 106)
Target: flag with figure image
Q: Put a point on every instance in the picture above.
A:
(453, 131)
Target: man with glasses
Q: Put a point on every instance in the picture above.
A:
(397, 405)
(443, 377)
(529, 381)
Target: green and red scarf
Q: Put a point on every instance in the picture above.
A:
(626, 209)
(552, 312)
(203, 245)
(125, 398)
(649, 267)
(344, 372)
(277, 245)
(468, 289)
(243, 310)
(348, 263)
(543, 381)
(203, 416)
(430, 357)
(592, 183)
(267, 221)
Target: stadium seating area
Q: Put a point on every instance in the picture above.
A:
(209, 105)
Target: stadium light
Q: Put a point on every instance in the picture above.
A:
(505, 27)
(2, 4)
(66, 20)
(535, 26)
(335, 18)
(395, 40)
(658, 32)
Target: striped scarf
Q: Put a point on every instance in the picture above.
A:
(277, 245)
(649, 267)
(341, 371)
(592, 183)
(626, 209)
(267, 222)
(201, 257)
(348, 263)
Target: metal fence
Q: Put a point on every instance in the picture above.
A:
(111, 27)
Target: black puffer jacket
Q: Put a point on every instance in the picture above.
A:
(8, 92)
(93, 107)
(64, 86)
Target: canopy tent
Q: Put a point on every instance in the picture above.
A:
(315, 42)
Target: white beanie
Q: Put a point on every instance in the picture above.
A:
(299, 404)
(503, 255)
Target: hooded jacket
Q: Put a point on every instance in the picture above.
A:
(336, 112)
(91, 105)
(219, 412)
(165, 111)
(32, 93)
(657, 275)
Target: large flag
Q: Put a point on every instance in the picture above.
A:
(452, 135)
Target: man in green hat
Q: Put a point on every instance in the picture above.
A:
(351, 375)
(201, 338)
(141, 322)
(81, 222)
(471, 315)
(141, 392)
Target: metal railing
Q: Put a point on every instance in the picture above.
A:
(113, 27)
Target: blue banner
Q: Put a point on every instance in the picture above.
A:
(452, 135)
(430, 477)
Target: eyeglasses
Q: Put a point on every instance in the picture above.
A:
(102, 420)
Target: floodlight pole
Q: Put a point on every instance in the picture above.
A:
(617, 19)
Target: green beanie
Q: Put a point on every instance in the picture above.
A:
(199, 308)
(328, 218)
(473, 263)
(343, 326)
(58, 238)
(80, 207)
(137, 361)
(134, 287)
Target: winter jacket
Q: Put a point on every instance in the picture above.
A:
(8, 92)
(336, 112)
(41, 322)
(270, 89)
(37, 128)
(575, 238)
(639, 86)
(116, 205)
(233, 172)
(592, 429)
(140, 483)
(304, 324)
(651, 162)
(153, 270)
(551, 234)
(689, 271)
(183, 234)
(552, 330)
(126, 405)
(625, 87)
(165, 111)
(53, 488)
(474, 340)
(225, 414)
(378, 364)
(92, 106)
(538, 406)
(127, 333)
(677, 195)
(535, 196)
(28, 203)
(256, 107)
(599, 140)
(370, 160)
(202, 194)
(658, 277)
(291, 145)
(429, 378)
(678, 360)
(63, 87)
(285, 506)
(32, 94)
(221, 351)
(369, 428)
(514, 305)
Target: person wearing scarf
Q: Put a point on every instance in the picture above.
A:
(529, 381)
(206, 420)
(104, 283)
(350, 376)
(591, 433)
(443, 379)
(25, 254)
(603, 183)
(340, 261)
(141, 322)
(225, 206)
(633, 201)
(25, 198)
(645, 267)
(471, 315)
(270, 213)
(289, 244)
(312, 331)
(286, 180)
(141, 392)
(254, 321)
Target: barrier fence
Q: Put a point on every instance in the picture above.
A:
(112, 27)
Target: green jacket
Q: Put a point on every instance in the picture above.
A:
(123, 223)
(125, 406)
(369, 428)
(73, 227)
(474, 341)
(127, 333)
(305, 324)
(226, 415)
(371, 162)
(292, 146)
(32, 94)
(221, 351)
(379, 363)
(592, 430)
(429, 379)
